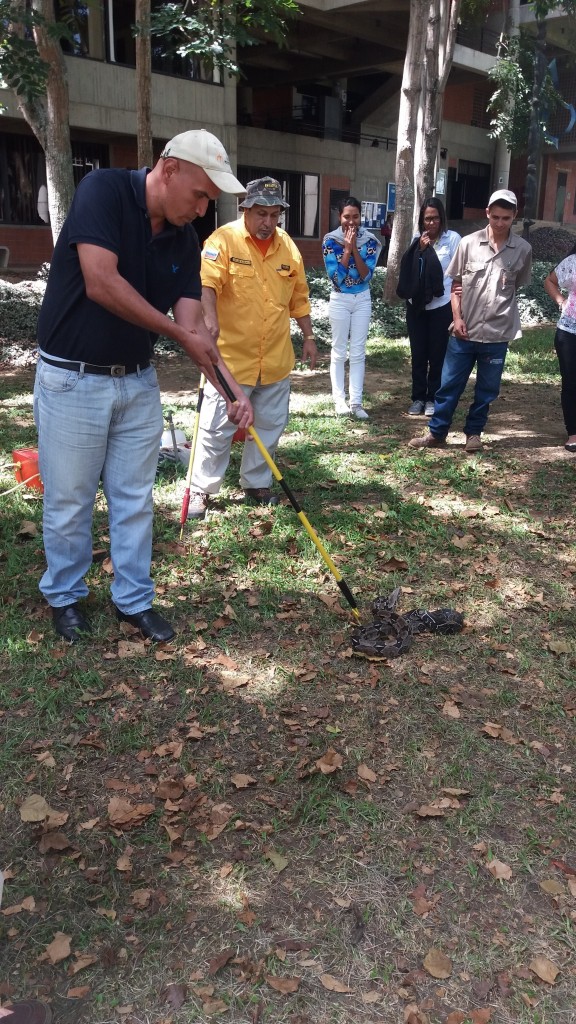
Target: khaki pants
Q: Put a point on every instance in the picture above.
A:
(270, 403)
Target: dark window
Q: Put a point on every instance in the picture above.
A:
(302, 191)
(23, 195)
(74, 14)
(474, 182)
(481, 116)
(86, 157)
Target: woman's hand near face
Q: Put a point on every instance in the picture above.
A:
(350, 237)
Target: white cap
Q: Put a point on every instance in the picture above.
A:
(503, 193)
(206, 151)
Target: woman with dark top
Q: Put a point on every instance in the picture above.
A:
(428, 327)
(563, 279)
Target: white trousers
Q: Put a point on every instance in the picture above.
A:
(270, 403)
(349, 320)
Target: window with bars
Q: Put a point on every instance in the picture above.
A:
(23, 195)
(480, 114)
(302, 191)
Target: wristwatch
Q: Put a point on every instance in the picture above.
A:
(308, 337)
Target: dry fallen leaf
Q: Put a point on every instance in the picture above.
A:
(366, 773)
(552, 887)
(58, 949)
(481, 1016)
(175, 995)
(464, 542)
(450, 709)
(559, 647)
(214, 1006)
(123, 814)
(430, 811)
(283, 985)
(498, 869)
(242, 781)
(437, 964)
(141, 898)
(333, 985)
(544, 969)
(372, 997)
(329, 761)
(34, 808)
(28, 903)
(80, 992)
(393, 564)
(221, 960)
(277, 859)
(82, 961)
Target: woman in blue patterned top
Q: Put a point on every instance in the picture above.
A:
(350, 256)
(559, 280)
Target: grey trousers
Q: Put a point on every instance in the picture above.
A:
(270, 403)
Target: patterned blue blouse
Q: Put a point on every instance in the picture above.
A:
(348, 279)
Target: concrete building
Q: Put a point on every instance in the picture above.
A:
(320, 114)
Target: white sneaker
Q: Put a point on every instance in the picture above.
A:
(341, 407)
(359, 412)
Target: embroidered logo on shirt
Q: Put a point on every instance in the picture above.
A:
(210, 254)
(236, 259)
(175, 268)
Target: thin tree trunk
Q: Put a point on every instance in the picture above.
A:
(439, 53)
(50, 121)
(144, 84)
(407, 123)
(535, 131)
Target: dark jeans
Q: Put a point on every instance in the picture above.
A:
(428, 333)
(458, 365)
(565, 345)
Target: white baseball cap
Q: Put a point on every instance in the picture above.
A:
(206, 151)
(503, 193)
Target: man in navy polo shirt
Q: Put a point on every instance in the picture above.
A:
(126, 254)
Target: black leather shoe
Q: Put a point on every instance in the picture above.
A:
(149, 623)
(70, 623)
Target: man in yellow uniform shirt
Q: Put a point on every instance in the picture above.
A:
(253, 282)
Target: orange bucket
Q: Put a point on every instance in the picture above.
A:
(240, 435)
(26, 468)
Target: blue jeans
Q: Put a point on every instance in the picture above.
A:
(93, 427)
(458, 365)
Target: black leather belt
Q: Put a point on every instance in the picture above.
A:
(117, 370)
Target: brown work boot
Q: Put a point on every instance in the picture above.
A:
(198, 505)
(260, 496)
(428, 441)
(473, 443)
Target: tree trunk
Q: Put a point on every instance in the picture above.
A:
(407, 123)
(535, 130)
(439, 53)
(50, 121)
(144, 84)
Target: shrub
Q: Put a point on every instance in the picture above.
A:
(20, 303)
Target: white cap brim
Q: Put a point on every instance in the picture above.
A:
(226, 182)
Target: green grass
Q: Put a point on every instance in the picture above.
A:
(356, 851)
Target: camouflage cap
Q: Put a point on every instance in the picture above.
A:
(264, 192)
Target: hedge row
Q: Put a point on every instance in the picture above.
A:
(19, 304)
